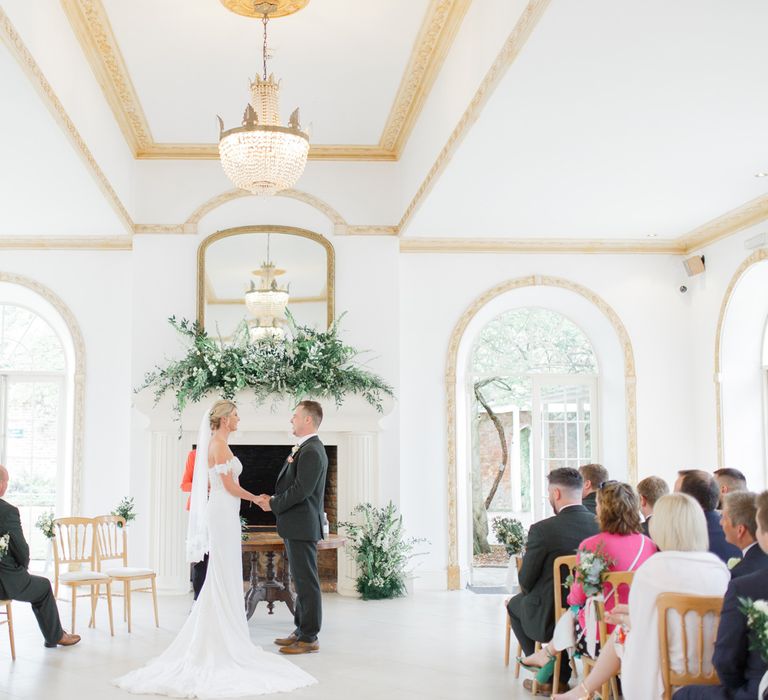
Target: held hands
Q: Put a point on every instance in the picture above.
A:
(262, 501)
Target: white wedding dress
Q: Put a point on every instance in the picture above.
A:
(213, 656)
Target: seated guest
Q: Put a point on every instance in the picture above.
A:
(650, 490)
(621, 541)
(728, 481)
(739, 666)
(683, 565)
(703, 487)
(532, 611)
(593, 475)
(16, 583)
(739, 523)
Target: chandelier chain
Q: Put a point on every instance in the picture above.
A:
(264, 21)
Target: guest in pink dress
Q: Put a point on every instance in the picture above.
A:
(621, 541)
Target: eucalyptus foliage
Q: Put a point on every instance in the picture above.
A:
(125, 509)
(306, 363)
(380, 551)
(511, 533)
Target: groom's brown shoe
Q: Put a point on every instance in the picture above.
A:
(286, 641)
(301, 648)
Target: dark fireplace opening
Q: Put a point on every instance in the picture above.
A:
(261, 466)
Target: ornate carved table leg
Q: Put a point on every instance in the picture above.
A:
(256, 592)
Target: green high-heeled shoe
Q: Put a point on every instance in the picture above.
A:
(547, 670)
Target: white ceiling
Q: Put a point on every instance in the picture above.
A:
(45, 188)
(617, 120)
(341, 62)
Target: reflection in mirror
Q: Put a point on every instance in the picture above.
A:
(256, 275)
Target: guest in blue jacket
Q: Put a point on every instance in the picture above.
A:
(702, 486)
(739, 521)
(738, 667)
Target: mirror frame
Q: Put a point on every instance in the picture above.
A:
(330, 260)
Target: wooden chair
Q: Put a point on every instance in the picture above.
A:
(112, 544)
(614, 579)
(684, 604)
(74, 545)
(568, 563)
(9, 621)
(508, 628)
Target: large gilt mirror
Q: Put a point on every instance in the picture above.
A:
(254, 273)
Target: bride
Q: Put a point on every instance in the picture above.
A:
(212, 655)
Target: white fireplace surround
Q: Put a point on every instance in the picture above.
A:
(352, 427)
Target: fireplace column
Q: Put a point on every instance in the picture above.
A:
(358, 482)
(168, 524)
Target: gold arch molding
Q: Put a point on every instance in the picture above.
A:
(78, 343)
(330, 256)
(630, 397)
(756, 257)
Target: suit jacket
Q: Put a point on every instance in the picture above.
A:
(590, 502)
(548, 539)
(646, 525)
(299, 493)
(754, 560)
(14, 576)
(739, 669)
(717, 543)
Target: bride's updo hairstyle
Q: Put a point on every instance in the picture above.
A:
(221, 409)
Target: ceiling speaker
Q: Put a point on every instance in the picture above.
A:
(695, 265)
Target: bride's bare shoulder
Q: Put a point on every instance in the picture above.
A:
(218, 453)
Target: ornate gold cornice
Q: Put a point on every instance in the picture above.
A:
(66, 243)
(505, 58)
(537, 245)
(10, 37)
(91, 26)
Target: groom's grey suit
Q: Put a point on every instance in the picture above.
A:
(298, 508)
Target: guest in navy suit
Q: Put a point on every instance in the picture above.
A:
(740, 526)
(703, 487)
(739, 668)
(650, 490)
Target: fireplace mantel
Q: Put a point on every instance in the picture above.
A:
(353, 427)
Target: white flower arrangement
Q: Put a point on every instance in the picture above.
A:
(733, 562)
(756, 613)
(5, 541)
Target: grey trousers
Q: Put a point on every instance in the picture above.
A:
(308, 611)
(38, 592)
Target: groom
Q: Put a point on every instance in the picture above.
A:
(298, 508)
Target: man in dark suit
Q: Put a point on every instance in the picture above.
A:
(739, 667)
(16, 583)
(650, 490)
(728, 481)
(532, 611)
(593, 475)
(298, 508)
(739, 523)
(703, 487)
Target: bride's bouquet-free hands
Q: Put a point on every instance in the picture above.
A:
(262, 500)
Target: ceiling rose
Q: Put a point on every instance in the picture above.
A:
(273, 8)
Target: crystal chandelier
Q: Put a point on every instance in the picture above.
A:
(262, 156)
(268, 302)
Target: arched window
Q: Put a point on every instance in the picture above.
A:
(533, 376)
(33, 366)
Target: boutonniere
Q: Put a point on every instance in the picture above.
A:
(4, 542)
(294, 450)
(733, 561)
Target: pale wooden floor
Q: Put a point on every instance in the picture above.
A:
(432, 645)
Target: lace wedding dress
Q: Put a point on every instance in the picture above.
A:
(213, 656)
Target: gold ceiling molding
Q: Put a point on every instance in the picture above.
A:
(78, 407)
(756, 257)
(505, 58)
(749, 214)
(92, 28)
(24, 58)
(66, 243)
(537, 245)
(630, 397)
(435, 38)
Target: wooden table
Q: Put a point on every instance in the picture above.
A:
(272, 590)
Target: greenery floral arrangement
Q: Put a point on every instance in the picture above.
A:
(44, 523)
(125, 509)
(590, 570)
(306, 363)
(756, 612)
(511, 533)
(243, 529)
(380, 550)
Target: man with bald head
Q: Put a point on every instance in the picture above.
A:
(16, 583)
